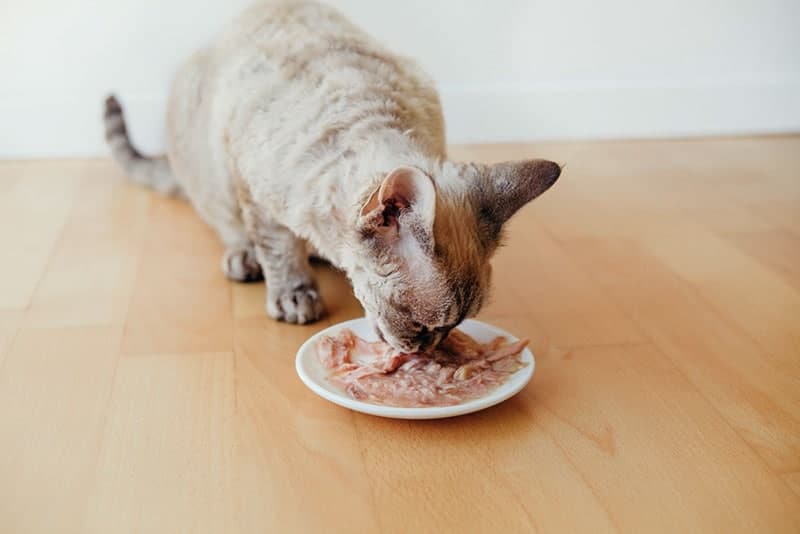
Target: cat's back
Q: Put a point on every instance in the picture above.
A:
(291, 85)
(296, 55)
(280, 24)
(289, 40)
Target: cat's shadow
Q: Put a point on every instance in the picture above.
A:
(499, 427)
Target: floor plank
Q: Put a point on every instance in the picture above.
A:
(180, 303)
(54, 390)
(757, 392)
(757, 300)
(35, 202)
(554, 293)
(9, 321)
(793, 481)
(91, 275)
(293, 452)
(644, 457)
(778, 250)
(501, 458)
(163, 464)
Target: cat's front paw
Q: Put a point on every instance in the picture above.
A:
(239, 264)
(301, 304)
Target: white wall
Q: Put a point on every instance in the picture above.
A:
(507, 69)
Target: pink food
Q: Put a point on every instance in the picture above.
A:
(458, 370)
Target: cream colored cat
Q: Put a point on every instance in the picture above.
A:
(295, 129)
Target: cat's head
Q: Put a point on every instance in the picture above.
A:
(425, 243)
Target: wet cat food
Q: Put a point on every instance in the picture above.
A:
(458, 370)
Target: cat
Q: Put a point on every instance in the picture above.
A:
(296, 134)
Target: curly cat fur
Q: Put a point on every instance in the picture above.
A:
(297, 130)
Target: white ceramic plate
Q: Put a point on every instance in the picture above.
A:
(313, 375)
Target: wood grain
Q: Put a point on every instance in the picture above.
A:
(659, 282)
(179, 302)
(167, 447)
(35, 203)
(54, 390)
(756, 390)
(92, 272)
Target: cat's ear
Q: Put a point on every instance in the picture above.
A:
(405, 190)
(502, 189)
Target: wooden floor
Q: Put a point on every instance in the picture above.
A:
(659, 282)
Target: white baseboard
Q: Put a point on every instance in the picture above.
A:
(627, 111)
(69, 125)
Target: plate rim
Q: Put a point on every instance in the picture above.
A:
(398, 412)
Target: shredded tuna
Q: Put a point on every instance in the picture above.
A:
(460, 369)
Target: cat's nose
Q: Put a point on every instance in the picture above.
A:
(425, 339)
(428, 340)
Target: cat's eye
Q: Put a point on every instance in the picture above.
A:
(387, 273)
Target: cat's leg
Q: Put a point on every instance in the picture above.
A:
(292, 291)
(239, 261)
(197, 160)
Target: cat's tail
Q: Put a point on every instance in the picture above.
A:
(153, 172)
